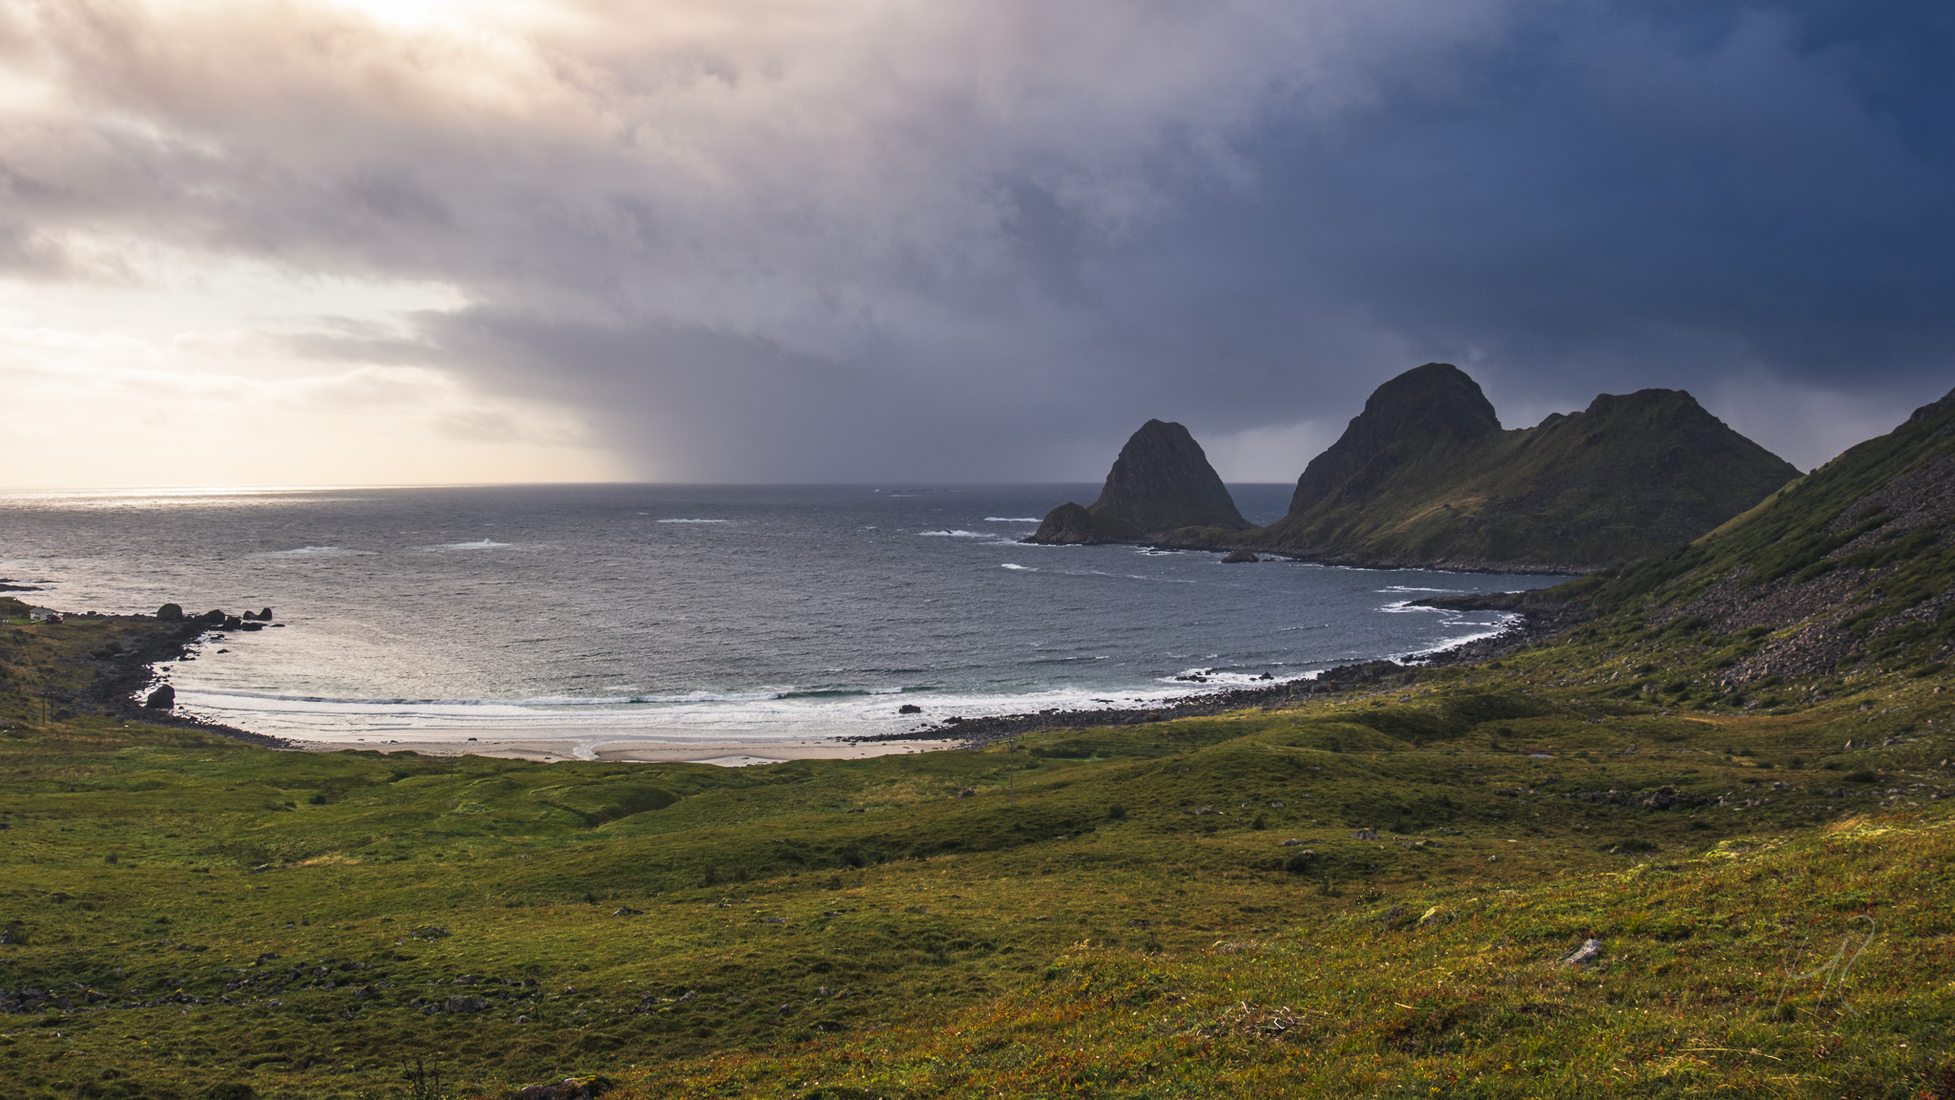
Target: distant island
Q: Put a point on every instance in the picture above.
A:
(1426, 477)
(1162, 482)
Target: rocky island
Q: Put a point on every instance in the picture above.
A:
(1161, 483)
(1426, 477)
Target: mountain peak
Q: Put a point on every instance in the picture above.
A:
(1417, 418)
(1425, 476)
(1438, 398)
(1645, 403)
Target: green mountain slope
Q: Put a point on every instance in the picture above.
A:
(1851, 566)
(1425, 476)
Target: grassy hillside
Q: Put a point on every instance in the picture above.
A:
(189, 915)
(1778, 966)
(1851, 566)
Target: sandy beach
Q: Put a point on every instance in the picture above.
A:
(729, 753)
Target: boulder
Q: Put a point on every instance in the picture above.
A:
(265, 615)
(163, 698)
(1239, 557)
(909, 708)
(1589, 952)
(170, 613)
(214, 617)
(570, 1088)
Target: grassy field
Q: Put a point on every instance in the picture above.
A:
(1141, 911)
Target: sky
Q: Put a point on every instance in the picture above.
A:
(330, 242)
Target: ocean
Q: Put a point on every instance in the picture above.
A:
(591, 615)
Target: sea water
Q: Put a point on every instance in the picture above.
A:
(590, 614)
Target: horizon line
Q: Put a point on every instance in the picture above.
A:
(242, 490)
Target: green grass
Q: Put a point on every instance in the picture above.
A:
(309, 924)
(1758, 967)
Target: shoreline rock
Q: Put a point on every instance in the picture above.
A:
(129, 671)
(1538, 619)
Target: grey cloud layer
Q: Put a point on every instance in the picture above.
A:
(798, 241)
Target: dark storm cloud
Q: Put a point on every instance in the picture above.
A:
(972, 241)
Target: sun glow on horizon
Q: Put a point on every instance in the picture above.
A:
(224, 374)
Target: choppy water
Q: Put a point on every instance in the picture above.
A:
(686, 614)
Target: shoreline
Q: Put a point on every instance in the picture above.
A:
(1224, 546)
(121, 676)
(1536, 619)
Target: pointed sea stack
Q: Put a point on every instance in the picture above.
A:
(1161, 482)
(1426, 477)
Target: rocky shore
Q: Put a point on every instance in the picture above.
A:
(1542, 613)
(1223, 542)
(978, 732)
(1539, 617)
(125, 669)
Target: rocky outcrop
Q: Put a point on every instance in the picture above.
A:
(1425, 476)
(1161, 483)
(1067, 525)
